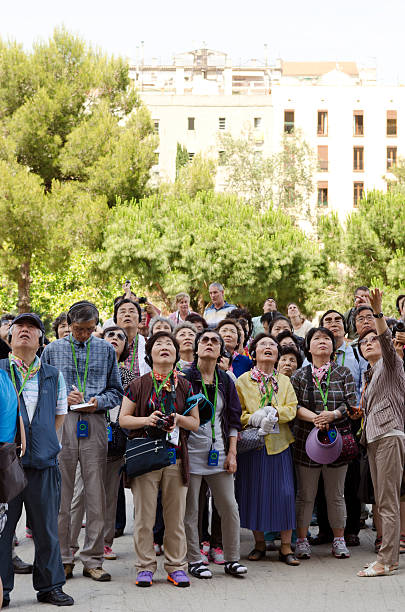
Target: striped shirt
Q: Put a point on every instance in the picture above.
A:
(31, 390)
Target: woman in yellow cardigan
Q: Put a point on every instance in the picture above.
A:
(265, 478)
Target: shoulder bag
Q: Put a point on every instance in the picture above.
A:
(12, 477)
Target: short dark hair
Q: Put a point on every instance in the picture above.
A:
(287, 334)
(359, 310)
(125, 352)
(337, 312)
(230, 322)
(151, 341)
(361, 288)
(309, 337)
(267, 317)
(280, 318)
(82, 311)
(119, 303)
(399, 299)
(194, 317)
(244, 314)
(252, 348)
(58, 321)
(290, 350)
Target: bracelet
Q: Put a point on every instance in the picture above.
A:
(337, 414)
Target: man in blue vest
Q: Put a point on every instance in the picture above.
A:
(43, 401)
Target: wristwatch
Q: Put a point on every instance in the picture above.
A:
(378, 316)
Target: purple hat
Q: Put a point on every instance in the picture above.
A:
(319, 447)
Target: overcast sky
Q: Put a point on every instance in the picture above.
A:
(360, 30)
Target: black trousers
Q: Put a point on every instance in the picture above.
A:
(353, 503)
(121, 515)
(41, 498)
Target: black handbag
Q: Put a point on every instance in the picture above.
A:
(116, 448)
(249, 440)
(145, 455)
(12, 477)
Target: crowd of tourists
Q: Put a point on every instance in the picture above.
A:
(215, 422)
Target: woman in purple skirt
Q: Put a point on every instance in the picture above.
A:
(265, 478)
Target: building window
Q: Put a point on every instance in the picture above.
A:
(257, 122)
(358, 123)
(322, 123)
(391, 157)
(358, 191)
(288, 121)
(191, 123)
(392, 123)
(323, 193)
(221, 123)
(156, 126)
(358, 159)
(323, 159)
(190, 157)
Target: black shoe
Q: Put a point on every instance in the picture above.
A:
(56, 597)
(20, 567)
(6, 603)
(118, 533)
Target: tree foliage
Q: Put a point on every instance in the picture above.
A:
(175, 243)
(284, 179)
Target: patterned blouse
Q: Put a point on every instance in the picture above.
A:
(342, 392)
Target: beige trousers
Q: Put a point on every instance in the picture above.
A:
(334, 483)
(145, 491)
(91, 452)
(386, 459)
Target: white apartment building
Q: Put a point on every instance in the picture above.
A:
(354, 125)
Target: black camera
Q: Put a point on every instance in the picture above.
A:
(142, 300)
(165, 422)
(398, 327)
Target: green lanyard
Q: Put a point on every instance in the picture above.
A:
(158, 389)
(26, 376)
(134, 353)
(266, 398)
(82, 386)
(324, 395)
(215, 404)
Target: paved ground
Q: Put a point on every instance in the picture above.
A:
(319, 584)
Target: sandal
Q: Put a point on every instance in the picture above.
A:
(256, 554)
(199, 570)
(402, 544)
(370, 571)
(234, 568)
(288, 559)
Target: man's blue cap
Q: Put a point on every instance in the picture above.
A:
(32, 318)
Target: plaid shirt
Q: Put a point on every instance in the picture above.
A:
(342, 389)
(103, 377)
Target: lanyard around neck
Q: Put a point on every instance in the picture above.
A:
(26, 376)
(80, 384)
(267, 397)
(343, 358)
(215, 403)
(159, 389)
(324, 396)
(134, 352)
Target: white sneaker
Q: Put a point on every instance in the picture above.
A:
(303, 549)
(340, 550)
(109, 553)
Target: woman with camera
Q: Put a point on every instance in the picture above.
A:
(212, 452)
(383, 433)
(265, 480)
(149, 409)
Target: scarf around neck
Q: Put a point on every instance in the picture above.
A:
(264, 379)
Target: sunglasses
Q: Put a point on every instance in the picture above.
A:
(115, 334)
(368, 340)
(213, 339)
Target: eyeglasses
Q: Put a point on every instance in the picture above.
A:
(115, 334)
(361, 319)
(213, 339)
(368, 340)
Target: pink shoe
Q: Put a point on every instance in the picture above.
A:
(217, 556)
(205, 552)
(109, 553)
